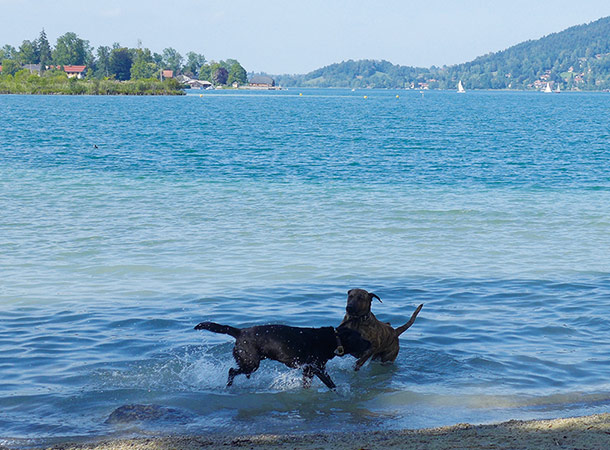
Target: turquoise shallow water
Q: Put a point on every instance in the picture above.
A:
(491, 208)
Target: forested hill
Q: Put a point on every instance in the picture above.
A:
(356, 74)
(577, 58)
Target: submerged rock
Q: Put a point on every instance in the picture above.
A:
(145, 413)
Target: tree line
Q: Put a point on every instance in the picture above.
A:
(117, 62)
(577, 58)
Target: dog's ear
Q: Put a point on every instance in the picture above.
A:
(374, 296)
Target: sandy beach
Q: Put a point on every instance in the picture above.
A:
(587, 433)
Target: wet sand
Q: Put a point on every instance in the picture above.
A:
(590, 433)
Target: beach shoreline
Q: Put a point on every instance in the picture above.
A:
(587, 432)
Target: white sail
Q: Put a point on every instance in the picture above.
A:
(547, 89)
(461, 89)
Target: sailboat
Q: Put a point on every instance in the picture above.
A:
(547, 89)
(461, 89)
(557, 91)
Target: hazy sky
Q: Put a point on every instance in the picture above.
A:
(299, 36)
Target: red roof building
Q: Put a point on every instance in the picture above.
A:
(72, 71)
(75, 71)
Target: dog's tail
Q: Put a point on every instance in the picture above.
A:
(217, 328)
(406, 326)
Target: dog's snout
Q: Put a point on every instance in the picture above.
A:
(350, 309)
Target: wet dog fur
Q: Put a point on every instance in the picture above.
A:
(382, 336)
(309, 348)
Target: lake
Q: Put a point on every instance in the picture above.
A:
(128, 220)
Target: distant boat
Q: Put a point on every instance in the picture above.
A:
(557, 91)
(461, 89)
(547, 89)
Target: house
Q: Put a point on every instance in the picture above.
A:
(166, 73)
(194, 83)
(200, 84)
(184, 79)
(75, 71)
(33, 68)
(71, 71)
(262, 82)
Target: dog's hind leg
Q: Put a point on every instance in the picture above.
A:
(245, 367)
(364, 358)
(232, 373)
(308, 374)
(245, 370)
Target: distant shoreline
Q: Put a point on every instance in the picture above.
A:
(590, 432)
(151, 90)
(35, 85)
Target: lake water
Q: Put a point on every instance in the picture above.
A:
(491, 208)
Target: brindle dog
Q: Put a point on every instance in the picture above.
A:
(382, 336)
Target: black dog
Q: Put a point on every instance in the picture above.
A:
(310, 348)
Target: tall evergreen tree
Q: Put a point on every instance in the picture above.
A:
(44, 50)
(103, 62)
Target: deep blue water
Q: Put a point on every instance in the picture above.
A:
(491, 208)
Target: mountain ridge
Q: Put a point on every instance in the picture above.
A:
(577, 58)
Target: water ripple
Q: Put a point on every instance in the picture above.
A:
(249, 209)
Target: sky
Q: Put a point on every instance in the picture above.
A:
(280, 37)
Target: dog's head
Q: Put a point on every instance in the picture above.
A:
(359, 302)
(352, 341)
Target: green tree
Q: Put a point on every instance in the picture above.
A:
(143, 64)
(10, 67)
(120, 63)
(194, 61)
(27, 53)
(237, 74)
(7, 52)
(141, 70)
(219, 74)
(157, 59)
(103, 62)
(172, 60)
(44, 50)
(205, 72)
(141, 54)
(70, 49)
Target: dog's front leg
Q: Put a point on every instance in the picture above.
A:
(364, 358)
(320, 372)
